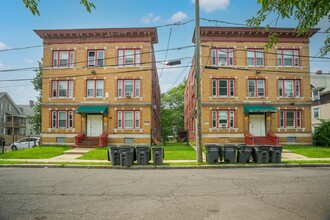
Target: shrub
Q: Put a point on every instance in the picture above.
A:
(321, 135)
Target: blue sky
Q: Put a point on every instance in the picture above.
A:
(17, 25)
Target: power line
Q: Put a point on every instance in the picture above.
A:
(20, 48)
(179, 76)
(168, 44)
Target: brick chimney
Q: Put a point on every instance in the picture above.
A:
(31, 103)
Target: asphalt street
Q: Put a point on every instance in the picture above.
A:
(247, 193)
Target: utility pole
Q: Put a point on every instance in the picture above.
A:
(198, 87)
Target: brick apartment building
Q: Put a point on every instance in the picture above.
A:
(100, 86)
(248, 94)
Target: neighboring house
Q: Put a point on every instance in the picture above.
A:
(12, 121)
(248, 94)
(100, 86)
(28, 111)
(320, 86)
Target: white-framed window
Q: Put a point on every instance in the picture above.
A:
(9, 107)
(289, 88)
(62, 89)
(95, 88)
(1, 105)
(128, 119)
(223, 118)
(96, 58)
(63, 59)
(128, 88)
(256, 88)
(290, 118)
(316, 113)
(223, 87)
(128, 57)
(316, 95)
(255, 57)
(288, 57)
(62, 119)
(222, 56)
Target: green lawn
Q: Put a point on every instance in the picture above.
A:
(179, 151)
(41, 152)
(96, 154)
(310, 151)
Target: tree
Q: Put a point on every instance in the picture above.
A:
(172, 108)
(308, 13)
(33, 5)
(35, 120)
(321, 135)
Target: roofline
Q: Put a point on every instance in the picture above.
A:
(152, 30)
(12, 101)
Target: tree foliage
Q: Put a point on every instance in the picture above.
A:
(33, 6)
(35, 120)
(308, 13)
(172, 108)
(321, 135)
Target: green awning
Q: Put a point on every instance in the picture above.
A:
(259, 108)
(90, 109)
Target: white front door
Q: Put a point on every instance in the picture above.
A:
(257, 125)
(94, 125)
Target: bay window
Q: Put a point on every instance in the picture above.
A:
(222, 56)
(128, 88)
(128, 119)
(223, 87)
(62, 89)
(63, 59)
(290, 119)
(223, 119)
(128, 57)
(95, 88)
(289, 88)
(288, 57)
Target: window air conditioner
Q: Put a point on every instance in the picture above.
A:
(251, 94)
(128, 94)
(223, 125)
(290, 95)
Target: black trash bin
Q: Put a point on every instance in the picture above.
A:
(212, 153)
(229, 152)
(244, 153)
(260, 154)
(275, 154)
(113, 155)
(126, 155)
(158, 155)
(143, 154)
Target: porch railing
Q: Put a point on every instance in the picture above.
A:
(249, 138)
(273, 138)
(103, 140)
(79, 138)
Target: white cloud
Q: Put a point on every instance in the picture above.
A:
(212, 5)
(150, 18)
(2, 66)
(3, 46)
(178, 17)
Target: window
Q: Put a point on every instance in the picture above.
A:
(63, 59)
(95, 88)
(290, 119)
(316, 113)
(222, 56)
(289, 88)
(62, 119)
(129, 57)
(256, 87)
(223, 87)
(9, 107)
(316, 95)
(62, 89)
(129, 88)
(128, 119)
(223, 119)
(96, 58)
(1, 105)
(255, 57)
(288, 57)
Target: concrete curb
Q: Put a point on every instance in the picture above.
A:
(150, 167)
